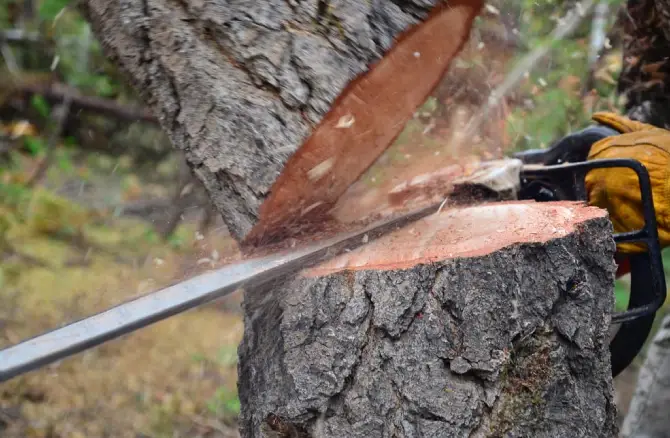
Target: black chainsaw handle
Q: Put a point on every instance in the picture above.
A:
(573, 148)
(555, 181)
(632, 335)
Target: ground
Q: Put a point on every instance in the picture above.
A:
(175, 378)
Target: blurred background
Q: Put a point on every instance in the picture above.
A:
(97, 207)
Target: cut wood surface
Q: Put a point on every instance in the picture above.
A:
(280, 106)
(474, 322)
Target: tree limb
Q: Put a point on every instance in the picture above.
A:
(56, 93)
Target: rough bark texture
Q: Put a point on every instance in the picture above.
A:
(645, 76)
(644, 82)
(648, 412)
(239, 85)
(512, 343)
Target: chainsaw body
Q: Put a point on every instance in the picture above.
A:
(557, 174)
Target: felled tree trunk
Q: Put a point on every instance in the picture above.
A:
(279, 106)
(481, 321)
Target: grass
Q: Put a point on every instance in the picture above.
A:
(147, 382)
(622, 285)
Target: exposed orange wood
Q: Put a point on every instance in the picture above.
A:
(365, 119)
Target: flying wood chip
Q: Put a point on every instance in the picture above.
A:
(364, 120)
(281, 106)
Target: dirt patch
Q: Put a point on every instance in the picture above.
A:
(158, 381)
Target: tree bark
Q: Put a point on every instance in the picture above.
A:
(479, 321)
(645, 75)
(648, 411)
(280, 105)
(644, 83)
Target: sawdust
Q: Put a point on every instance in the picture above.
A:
(299, 235)
(365, 120)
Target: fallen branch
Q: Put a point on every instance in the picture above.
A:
(596, 44)
(61, 118)
(20, 36)
(57, 93)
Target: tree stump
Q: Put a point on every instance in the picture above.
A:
(477, 321)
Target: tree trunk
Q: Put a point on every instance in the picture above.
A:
(645, 74)
(648, 411)
(644, 82)
(280, 105)
(478, 321)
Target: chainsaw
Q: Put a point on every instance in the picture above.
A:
(546, 175)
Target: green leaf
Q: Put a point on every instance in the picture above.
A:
(620, 295)
(65, 164)
(224, 402)
(49, 9)
(233, 406)
(70, 141)
(40, 104)
(175, 241)
(35, 145)
(198, 358)
(151, 236)
(104, 86)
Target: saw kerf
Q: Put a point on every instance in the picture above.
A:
(537, 179)
(125, 318)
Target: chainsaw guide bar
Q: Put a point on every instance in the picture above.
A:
(512, 177)
(156, 306)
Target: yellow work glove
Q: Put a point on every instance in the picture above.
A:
(617, 189)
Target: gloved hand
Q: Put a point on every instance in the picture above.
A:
(617, 189)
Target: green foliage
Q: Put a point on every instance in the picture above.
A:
(64, 162)
(14, 196)
(7, 221)
(227, 356)
(51, 214)
(429, 107)
(224, 403)
(554, 114)
(80, 60)
(553, 101)
(176, 241)
(41, 105)
(34, 145)
(49, 9)
(101, 85)
(621, 294)
(151, 236)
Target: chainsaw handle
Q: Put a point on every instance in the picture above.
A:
(648, 288)
(573, 148)
(631, 336)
